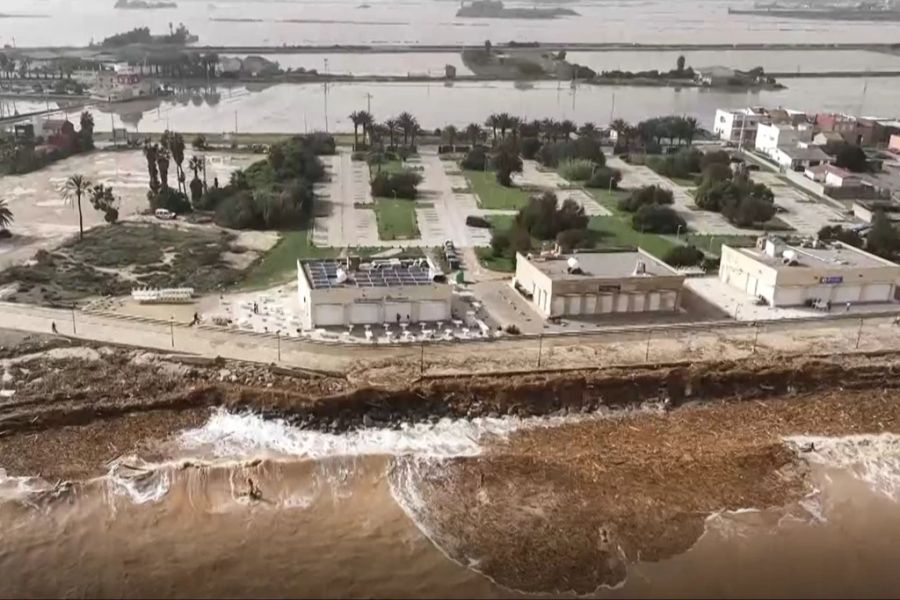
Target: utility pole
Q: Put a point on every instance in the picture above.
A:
(540, 349)
(74, 331)
(172, 330)
(422, 359)
(647, 352)
(859, 333)
(755, 336)
(368, 102)
(326, 95)
(278, 338)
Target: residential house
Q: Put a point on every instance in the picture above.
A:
(894, 144)
(823, 138)
(771, 136)
(797, 158)
(844, 125)
(737, 126)
(838, 177)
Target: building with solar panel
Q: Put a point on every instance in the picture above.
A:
(354, 291)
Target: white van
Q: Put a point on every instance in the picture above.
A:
(164, 214)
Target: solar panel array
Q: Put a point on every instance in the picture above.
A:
(323, 274)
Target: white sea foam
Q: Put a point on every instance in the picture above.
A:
(874, 459)
(12, 488)
(233, 436)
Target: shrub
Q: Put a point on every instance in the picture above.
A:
(552, 154)
(530, 147)
(571, 239)
(715, 172)
(200, 143)
(605, 178)
(211, 199)
(238, 211)
(171, 200)
(710, 264)
(476, 159)
(544, 219)
(507, 243)
(684, 256)
(831, 233)
(476, 221)
(646, 196)
(396, 185)
(578, 169)
(682, 164)
(358, 156)
(849, 156)
(513, 329)
(655, 218)
(506, 162)
(748, 211)
(717, 157)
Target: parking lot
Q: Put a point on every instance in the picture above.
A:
(802, 212)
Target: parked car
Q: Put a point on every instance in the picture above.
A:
(164, 214)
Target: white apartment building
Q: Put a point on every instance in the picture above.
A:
(772, 136)
(736, 126)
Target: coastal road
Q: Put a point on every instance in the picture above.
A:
(392, 363)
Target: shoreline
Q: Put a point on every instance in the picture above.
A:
(63, 395)
(443, 48)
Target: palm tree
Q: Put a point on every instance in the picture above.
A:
(391, 125)
(162, 162)
(473, 132)
(450, 132)
(691, 127)
(515, 127)
(588, 130)
(366, 120)
(493, 122)
(409, 125)
(77, 186)
(567, 128)
(6, 216)
(151, 153)
(622, 129)
(354, 116)
(174, 143)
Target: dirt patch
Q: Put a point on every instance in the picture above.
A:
(566, 509)
(112, 260)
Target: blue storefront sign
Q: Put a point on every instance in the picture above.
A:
(832, 279)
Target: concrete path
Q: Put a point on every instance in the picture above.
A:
(803, 213)
(698, 221)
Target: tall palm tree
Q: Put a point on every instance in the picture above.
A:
(75, 187)
(549, 129)
(151, 152)
(408, 125)
(493, 121)
(6, 216)
(354, 116)
(391, 125)
(691, 128)
(366, 120)
(473, 132)
(162, 163)
(567, 128)
(174, 143)
(515, 127)
(450, 132)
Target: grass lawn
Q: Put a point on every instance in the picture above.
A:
(614, 232)
(500, 222)
(684, 181)
(712, 244)
(487, 259)
(396, 219)
(492, 195)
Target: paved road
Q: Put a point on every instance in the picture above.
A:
(613, 346)
(803, 213)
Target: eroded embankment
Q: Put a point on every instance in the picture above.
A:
(90, 409)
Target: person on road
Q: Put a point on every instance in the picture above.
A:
(53, 327)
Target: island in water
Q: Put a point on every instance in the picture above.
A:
(494, 9)
(143, 5)
(889, 10)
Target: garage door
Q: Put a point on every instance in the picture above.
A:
(846, 293)
(573, 305)
(365, 312)
(877, 292)
(433, 310)
(791, 296)
(622, 301)
(653, 301)
(638, 300)
(392, 309)
(752, 285)
(328, 315)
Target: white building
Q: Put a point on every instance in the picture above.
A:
(598, 283)
(771, 136)
(796, 275)
(116, 83)
(800, 158)
(736, 126)
(342, 292)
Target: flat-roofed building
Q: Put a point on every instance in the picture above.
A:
(598, 283)
(353, 291)
(796, 275)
